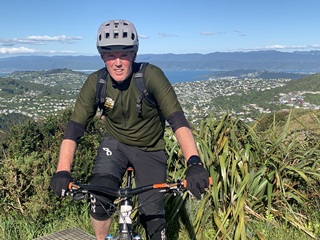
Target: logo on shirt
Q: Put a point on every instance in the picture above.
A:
(109, 103)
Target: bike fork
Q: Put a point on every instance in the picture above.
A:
(125, 221)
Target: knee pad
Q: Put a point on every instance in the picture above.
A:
(101, 206)
(155, 226)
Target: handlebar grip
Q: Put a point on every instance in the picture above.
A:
(185, 182)
(72, 185)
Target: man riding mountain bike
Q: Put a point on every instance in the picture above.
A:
(134, 136)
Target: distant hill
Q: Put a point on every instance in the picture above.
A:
(265, 98)
(308, 61)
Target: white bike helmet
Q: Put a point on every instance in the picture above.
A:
(117, 36)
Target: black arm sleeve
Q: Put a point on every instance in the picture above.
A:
(177, 120)
(74, 131)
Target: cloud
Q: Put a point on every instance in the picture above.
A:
(60, 39)
(141, 36)
(24, 50)
(207, 33)
(278, 46)
(165, 35)
(39, 40)
(285, 47)
(17, 50)
(240, 33)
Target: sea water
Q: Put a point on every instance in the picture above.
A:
(178, 76)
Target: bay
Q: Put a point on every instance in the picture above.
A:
(178, 76)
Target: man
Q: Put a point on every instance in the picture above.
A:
(132, 138)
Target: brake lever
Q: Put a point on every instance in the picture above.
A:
(76, 192)
(79, 196)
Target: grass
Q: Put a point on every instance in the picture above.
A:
(13, 229)
(284, 231)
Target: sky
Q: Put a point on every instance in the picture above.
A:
(69, 27)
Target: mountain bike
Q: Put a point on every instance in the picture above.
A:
(125, 195)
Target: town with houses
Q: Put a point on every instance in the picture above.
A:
(198, 98)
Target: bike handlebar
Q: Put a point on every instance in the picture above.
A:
(128, 192)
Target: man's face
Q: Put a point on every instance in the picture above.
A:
(119, 64)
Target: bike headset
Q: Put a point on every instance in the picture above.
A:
(117, 36)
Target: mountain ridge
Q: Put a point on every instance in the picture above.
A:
(307, 61)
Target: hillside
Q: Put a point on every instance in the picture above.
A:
(274, 98)
(11, 87)
(37, 94)
(246, 94)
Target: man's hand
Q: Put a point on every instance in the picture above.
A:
(59, 183)
(197, 177)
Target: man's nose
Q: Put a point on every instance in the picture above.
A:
(118, 61)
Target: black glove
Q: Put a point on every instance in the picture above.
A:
(197, 177)
(59, 183)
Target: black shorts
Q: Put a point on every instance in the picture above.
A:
(112, 161)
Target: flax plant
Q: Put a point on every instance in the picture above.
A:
(270, 176)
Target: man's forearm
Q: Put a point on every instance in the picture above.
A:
(67, 151)
(186, 141)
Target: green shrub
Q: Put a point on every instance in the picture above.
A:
(31, 160)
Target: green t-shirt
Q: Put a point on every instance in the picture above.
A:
(122, 119)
